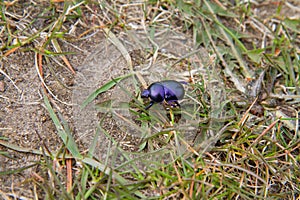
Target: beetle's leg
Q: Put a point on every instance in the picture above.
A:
(150, 104)
(173, 111)
(177, 104)
(174, 104)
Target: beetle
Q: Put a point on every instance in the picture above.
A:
(169, 90)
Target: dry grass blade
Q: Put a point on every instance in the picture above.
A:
(264, 133)
(114, 40)
(247, 72)
(58, 50)
(2, 72)
(240, 168)
(38, 69)
(233, 77)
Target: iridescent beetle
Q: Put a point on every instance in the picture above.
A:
(171, 91)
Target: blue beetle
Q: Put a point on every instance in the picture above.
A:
(171, 91)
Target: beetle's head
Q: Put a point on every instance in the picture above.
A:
(145, 94)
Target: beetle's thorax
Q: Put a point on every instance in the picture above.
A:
(157, 92)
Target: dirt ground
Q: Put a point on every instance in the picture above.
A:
(24, 120)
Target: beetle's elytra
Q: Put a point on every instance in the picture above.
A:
(169, 90)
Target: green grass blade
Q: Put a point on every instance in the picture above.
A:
(104, 169)
(63, 134)
(102, 89)
(16, 171)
